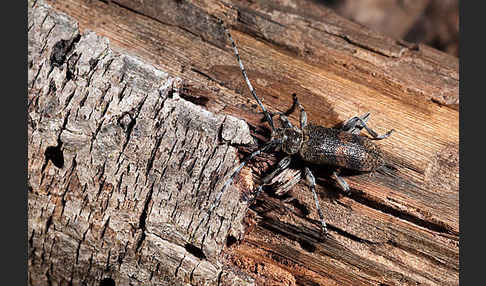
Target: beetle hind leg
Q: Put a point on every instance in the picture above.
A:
(312, 185)
(355, 124)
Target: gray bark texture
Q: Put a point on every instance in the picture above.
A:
(138, 113)
(120, 167)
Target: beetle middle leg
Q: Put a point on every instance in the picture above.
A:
(354, 125)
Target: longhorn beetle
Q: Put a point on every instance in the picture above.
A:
(341, 148)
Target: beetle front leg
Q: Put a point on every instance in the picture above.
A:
(279, 113)
(285, 121)
(303, 114)
(312, 185)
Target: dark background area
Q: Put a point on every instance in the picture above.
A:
(431, 22)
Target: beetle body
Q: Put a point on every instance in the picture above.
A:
(321, 145)
(341, 148)
(327, 146)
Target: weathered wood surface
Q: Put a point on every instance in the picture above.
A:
(140, 166)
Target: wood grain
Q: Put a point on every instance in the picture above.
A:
(393, 229)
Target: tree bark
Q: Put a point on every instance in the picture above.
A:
(135, 125)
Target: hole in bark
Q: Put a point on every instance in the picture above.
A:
(107, 282)
(58, 55)
(60, 51)
(54, 153)
(194, 250)
(307, 246)
(230, 240)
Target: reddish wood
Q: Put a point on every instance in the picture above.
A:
(397, 230)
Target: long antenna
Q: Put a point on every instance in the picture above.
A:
(243, 71)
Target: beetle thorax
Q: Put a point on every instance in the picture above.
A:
(291, 139)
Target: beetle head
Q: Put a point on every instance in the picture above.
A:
(291, 139)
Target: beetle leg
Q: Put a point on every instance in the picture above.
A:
(285, 121)
(312, 185)
(303, 114)
(230, 180)
(353, 125)
(342, 183)
(374, 134)
(282, 165)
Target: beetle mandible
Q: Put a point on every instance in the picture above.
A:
(342, 148)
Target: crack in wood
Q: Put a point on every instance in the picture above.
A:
(122, 195)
